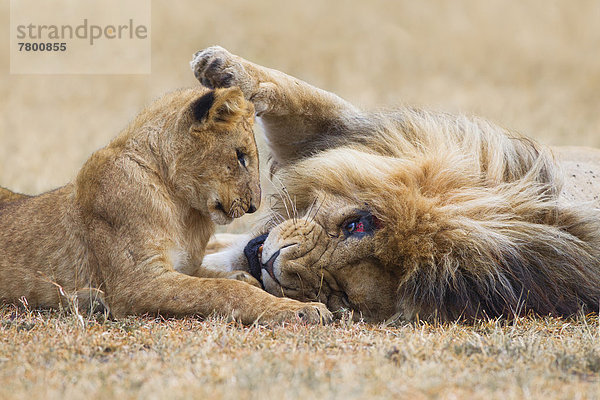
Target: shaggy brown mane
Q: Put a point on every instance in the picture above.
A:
(471, 216)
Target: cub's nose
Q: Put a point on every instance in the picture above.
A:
(251, 209)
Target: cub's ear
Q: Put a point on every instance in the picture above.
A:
(220, 108)
(201, 105)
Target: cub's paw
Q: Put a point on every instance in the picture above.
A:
(294, 311)
(244, 277)
(215, 67)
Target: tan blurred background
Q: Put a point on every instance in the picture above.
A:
(533, 66)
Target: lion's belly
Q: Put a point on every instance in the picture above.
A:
(582, 174)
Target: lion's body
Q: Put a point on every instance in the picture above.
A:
(415, 213)
(581, 169)
(7, 196)
(135, 222)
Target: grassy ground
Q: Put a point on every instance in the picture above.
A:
(55, 355)
(531, 65)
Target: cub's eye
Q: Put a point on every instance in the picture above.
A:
(241, 158)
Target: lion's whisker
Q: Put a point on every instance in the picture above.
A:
(281, 193)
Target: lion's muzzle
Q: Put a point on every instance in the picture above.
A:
(289, 263)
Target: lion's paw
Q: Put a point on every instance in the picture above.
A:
(295, 311)
(215, 67)
(245, 277)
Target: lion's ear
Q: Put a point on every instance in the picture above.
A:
(220, 108)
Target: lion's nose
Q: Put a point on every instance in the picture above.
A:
(251, 209)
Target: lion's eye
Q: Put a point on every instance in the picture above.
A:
(363, 225)
(355, 227)
(241, 158)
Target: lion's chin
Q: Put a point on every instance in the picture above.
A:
(270, 284)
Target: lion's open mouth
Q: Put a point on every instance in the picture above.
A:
(268, 266)
(252, 251)
(334, 298)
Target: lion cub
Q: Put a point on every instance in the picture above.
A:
(135, 222)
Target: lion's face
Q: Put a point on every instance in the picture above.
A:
(377, 235)
(216, 166)
(330, 257)
(333, 247)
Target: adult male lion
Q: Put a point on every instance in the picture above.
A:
(133, 226)
(411, 212)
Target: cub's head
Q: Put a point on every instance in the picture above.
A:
(213, 156)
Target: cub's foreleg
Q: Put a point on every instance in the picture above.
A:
(140, 280)
(175, 294)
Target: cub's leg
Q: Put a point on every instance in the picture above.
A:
(298, 118)
(221, 270)
(176, 294)
(138, 281)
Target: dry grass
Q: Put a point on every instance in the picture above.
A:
(531, 65)
(52, 355)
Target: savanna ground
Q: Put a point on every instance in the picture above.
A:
(533, 66)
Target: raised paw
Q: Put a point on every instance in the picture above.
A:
(294, 311)
(215, 67)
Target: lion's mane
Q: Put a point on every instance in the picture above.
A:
(471, 214)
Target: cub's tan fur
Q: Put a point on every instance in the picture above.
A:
(135, 222)
(414, 213)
